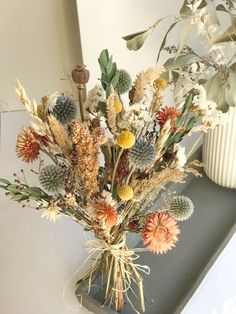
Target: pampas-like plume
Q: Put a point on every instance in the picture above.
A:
(141, 82)
(85, 158)
(60, 136)
(111, 112)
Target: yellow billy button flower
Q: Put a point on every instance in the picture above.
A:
(160, 83)
(125, 192)
(118, 106)
(125, 139)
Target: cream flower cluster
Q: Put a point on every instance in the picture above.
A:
(95, 95)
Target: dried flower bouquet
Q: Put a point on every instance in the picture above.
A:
(108, 166)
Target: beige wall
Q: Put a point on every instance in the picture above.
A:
(39, 38)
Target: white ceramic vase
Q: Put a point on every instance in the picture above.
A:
(219, 152)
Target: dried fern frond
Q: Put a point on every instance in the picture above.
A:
(111, 112)
(86, 162)
(141, 82)
(60, 136)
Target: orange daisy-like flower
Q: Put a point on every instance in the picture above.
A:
(28, 144)
(160, 232)
(106, 213)
(167, 113)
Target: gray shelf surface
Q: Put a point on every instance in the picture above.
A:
(175, 276)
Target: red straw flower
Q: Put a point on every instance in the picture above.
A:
(167, 113)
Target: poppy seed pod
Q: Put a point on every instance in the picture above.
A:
(80, 75)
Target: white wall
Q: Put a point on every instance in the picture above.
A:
(39, 39)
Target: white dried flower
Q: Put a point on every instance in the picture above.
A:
(180, 158)
(107, 196)
(95, 95)
(201, 102)
(137, 117)
(51, 212)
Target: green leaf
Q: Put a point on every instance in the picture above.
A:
(34, 198)
(87, 228)
(177, 137)
(138, 39)
(179, 121)
(5, 182)
(115, 79)
(13, 188)
(112, 72)
(34, 191)
(164, 39)
(188, 102)
(191, 123)
(109, 66)
(102, 107)
(103, 58)
(179, 62)
(19, 197)
(183, 37)
(4, 187)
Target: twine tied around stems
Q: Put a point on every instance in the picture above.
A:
(118, 263)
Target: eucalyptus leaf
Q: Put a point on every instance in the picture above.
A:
(131, 36)
(137, 41)
(230, 93)
(183, 37)
(227, 36)
(233, 67)
(221, 7)
(185, 10)
(164, 39)
(216, 91)
(179, 62)
(211, 8)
